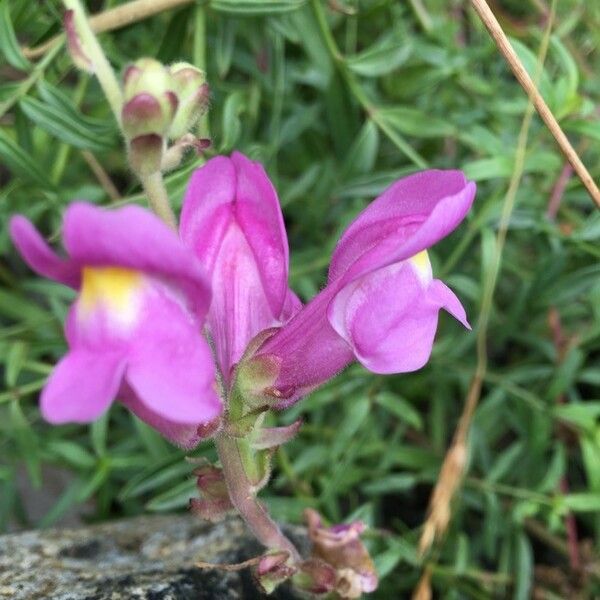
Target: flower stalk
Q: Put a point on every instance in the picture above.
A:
(155, 189)
(239, 466)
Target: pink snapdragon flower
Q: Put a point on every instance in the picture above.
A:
(134, 330)
(381, 303)
(231, 219)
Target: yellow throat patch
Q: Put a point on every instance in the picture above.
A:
(113, 287)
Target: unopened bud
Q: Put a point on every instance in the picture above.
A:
(146, 75)
(341, 548)
(316, 577)
(150, 101)
(193, 93)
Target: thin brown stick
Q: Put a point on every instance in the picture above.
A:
(506, 49)
(114, 18)
(101, 175)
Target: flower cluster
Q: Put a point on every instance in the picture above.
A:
(145, 296)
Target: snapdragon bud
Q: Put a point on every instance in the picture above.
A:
(148, 111)
(192, 93)
(150, 99)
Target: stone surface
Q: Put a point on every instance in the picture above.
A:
(147, 558)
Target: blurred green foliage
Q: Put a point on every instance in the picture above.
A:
(338, 100)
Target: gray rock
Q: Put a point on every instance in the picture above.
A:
(146, 558)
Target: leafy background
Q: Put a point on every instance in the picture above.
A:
(338, 100)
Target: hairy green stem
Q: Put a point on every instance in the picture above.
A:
(155, 189)
(243, 497)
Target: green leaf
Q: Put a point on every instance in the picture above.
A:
(234, 106)
(65, 125)
(177, 497)
(381, 58)
(583, 502)
(363, 152)
(506, 462)
(151, 479)
(21, 163)
(390, 484)
(252, 8)
(415, 122)
(98, 434)
(9, 46)
(400, 408)
(16, 356)
(72, 453)
(582, 414)
(27, 442)
(523, 567)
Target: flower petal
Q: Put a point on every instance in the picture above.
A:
(39, 256)
(82, 386)
(184, 436)
(390, 317)
(170, 367)
(237, 189)
(259, 214)
(410, 216)
(440, 293)
(239, 309)
(206, 213)
(132, 237)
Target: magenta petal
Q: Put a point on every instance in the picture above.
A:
(291, 306)
(184, 436)
(206, 211)
(411, 215)
(259, 215)
(82, 386)
(441, 294)
(134, 238)
(239, 309)
(170, 366)
(39, 256)
(232, 221)
(386, 319)
(390, 317)
(238, 190)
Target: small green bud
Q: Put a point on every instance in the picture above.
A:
(150, 100)
(192, 93)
